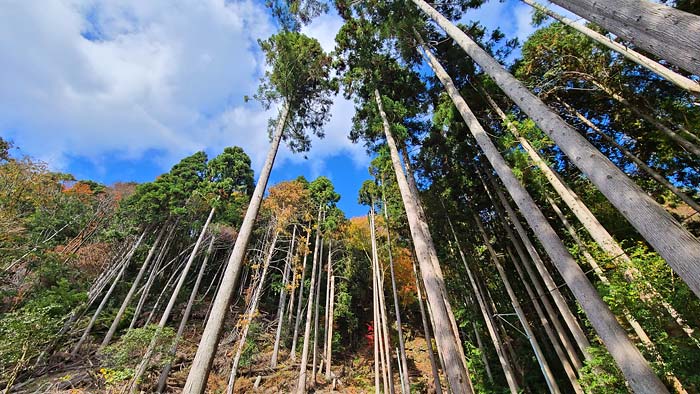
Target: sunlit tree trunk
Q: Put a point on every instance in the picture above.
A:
(163, 379)
(375, 336)
(301, 383)
(632, 55)
(631, 362)
(197, 378)
(448, 345)
(282, 299)
(293, 351)
(426, 332)
(670, 34)
(105, 299)
(252, 311)
(326, 320)
(171, 303)
(673, 242)
(329, 350)
(317, 299)
(132, 290)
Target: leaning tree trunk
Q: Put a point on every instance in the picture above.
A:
(406, 384)
(171, 303)
(428, 337)
(295, 336)
(197, 378)
(632, 55)
(639, 374)
(282, 299)
(636, 160)
(539, 355)
(100, 307)
(162, 380)
(251, 315)
(132, 290)
(673, 242)
(301, 383)
(448, 345)
(668, 33)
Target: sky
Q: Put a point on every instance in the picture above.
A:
(120, 90)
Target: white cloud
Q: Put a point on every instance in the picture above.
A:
(86, 78)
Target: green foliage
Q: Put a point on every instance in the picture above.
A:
(250, 348)
(600, 375)
(121, 358)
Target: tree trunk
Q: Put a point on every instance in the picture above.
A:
(637, 161)
(375, 324)
(482, 350)
(674, 243)
(197, 378)
(151, 278)
(382, 304)
(448, 345)
(293, 351)
(100, 307)
(428, 337)
(639, 374)
(171, 303)
(282, 299)
(539, 355)
(132, 290)
(163, 379)
(301, 383)
(317, 299)
(251, 315)
(327, 309)
(668, 33)
(632, 55)
(403, 362)
(330, 296)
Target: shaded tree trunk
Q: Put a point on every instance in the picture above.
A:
(197, 378)
(631, 362)
(674, 243)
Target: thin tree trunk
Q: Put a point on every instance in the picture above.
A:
(482, 350)
(636, 160)
(448, 345)
(197, 378)
(168, 309)
(379, 324)
(382, 305)
(632, 55)
(327, 309)
(132, 290)
(293, 351)
(163, 379)
(151, 278)
(100, 307)
(673, 242)
(669, 33)
(568, 369)
(317, 298)
(329, 352)
(539, 355)
(375, 324)
(426, 331)
(301, 383)
(631, 362)
(405, 382)
(282, 299)
(251, 314)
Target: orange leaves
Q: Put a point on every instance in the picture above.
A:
(287, 202)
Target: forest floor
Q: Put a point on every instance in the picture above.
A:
(352, 372)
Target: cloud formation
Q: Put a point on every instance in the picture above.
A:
(128, 78)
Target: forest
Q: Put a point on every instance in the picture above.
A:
(532, 226)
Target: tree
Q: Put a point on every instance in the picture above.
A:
(299, 78)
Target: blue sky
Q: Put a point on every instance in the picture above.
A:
(120, 90)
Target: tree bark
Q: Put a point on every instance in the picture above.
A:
(251, 314)
(673, 242)
(162, 380)
(168, 309)
(301, 383)
(632, 55)
(197, 378)
(282, 299)
(317, 299)
(668, 33)
(426, 331)
(293, 351)
(639, 374)
(448, 345)
(539, 355)
(132, 290)
(382, 304)
(100, 307)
